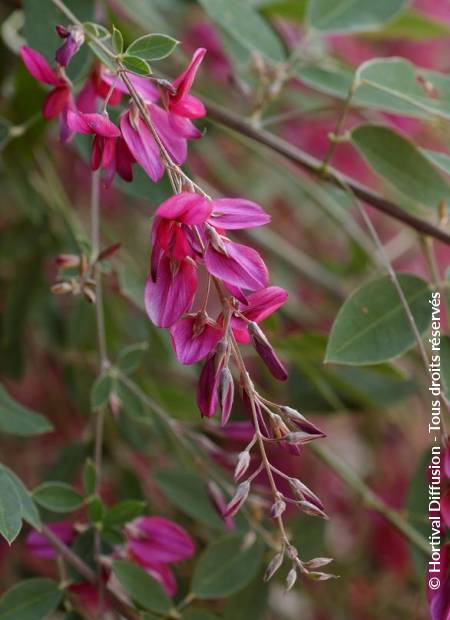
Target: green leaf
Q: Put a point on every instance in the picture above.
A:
(417, 510)
(101, 391)
(117, 41)
(351, 15)
(246, 26)
(33, 599)
(445, 363)
(130, 358)
(97, 30)
(18, 420)
(397, 160)
(136, 65)
(337, 83)
(102, 56)
(10, 508)
(58, 497)
(29, 511)
(152, 46)
(225, 567)
(96, 509)
(197, 613)
(141, 587)
(415, 26)
(123, 512)
(251, 602)
(399, 78)
(371, 327)
(185, 490)
(441, 160)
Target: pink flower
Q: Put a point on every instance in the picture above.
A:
(171, 294)
(105, 135)
(155, 542)
(194, 337)
(208, 385)
(181, 102)
(258, 307)
(39, 545)
(73, 39)
(59, 100)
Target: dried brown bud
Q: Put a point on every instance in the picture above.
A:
(62, 288)
(65, 261)
(311, 509)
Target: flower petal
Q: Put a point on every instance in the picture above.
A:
(184, 81)
(55, 102)
(263, 303)
(243, 267)
(38, 66)
(95, 123)
(143, 147)
(174, 143)
(167, 299)
(189, 347)
(236, 213)
(207, 388)
(188, 107)
(186, 208)
(159, 540)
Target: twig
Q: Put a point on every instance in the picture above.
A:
(313, 165)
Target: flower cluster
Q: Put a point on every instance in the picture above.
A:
(210, 291)
(154, 543)
(137, 139)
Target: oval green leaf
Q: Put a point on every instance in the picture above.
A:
(57, 497)
(371, 327)
(136, 65)
(18, 420)
(30, 513)
(398, 161)
(10, 509)
(351, 15)
(141, 587)
(225, 567)
(153, 46)
(33, 599)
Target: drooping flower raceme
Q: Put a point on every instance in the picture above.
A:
(210, 291)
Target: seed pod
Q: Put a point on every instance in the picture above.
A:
(291, 579)
(316, 563)
(273, 565)
(238, 499)
(277, 509)
(226, 394)
(266, 352)
(242, 465)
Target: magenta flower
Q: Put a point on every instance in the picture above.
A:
(171, 294)
(257, 307)
(208, 385)
(155, 542)
(181, 102)
(39, 545)
(105, 135)
(59, 100)
(237, 213)
(236, 264)
(73, 39)
(194, 337)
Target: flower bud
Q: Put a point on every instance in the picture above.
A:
(73, 39)
(109, 251)
(316, 576)
(304, 493)
(62, 288)
(303, 424)
(316, 563)
(266, 352)
(299, 438)
(311, 509)
(238, 499)
(291, 579)
(226, 394)
(217, 498)
(273, 565)
(242, 465)
(277, 509)
(215, 239)
(65, 261)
